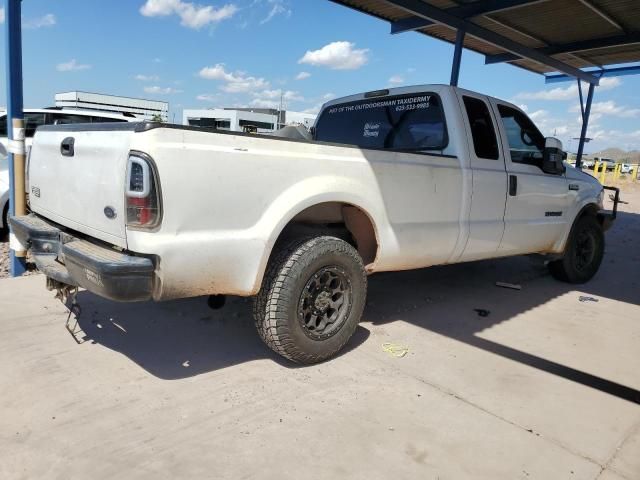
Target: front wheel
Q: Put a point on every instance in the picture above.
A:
(312, 299)
(583, 254)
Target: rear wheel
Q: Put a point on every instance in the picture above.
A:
(312, 298)
(583, 254)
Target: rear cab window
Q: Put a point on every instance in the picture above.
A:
(412, 123)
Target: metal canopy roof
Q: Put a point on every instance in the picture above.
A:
(541, 36)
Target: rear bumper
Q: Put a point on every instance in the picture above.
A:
(71, 260)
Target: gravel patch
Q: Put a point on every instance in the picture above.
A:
(4, 260)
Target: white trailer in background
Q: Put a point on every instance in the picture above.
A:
(265, 120)
(230, 120)
(141, 108)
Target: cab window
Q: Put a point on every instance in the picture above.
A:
(485, 142)
(526, 143)
(404, 122)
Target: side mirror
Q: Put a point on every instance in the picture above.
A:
(552, 159)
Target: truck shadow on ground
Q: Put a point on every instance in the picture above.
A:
(185, 338)
(432, 299)
(182, 338)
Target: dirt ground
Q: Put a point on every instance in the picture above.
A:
(547, 386)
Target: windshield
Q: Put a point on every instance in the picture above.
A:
(404, 122)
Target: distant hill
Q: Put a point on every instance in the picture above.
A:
(618, 154)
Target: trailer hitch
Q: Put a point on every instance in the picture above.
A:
(68, 295)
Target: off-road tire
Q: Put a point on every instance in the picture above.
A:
(569, 268)
(276, 310)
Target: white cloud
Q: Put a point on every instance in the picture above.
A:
(191, 15)
(396, 80)
(568, 93)
(287, 95)
(318, 106)
(315, 109)
(303, 76)
(47, 20)
(208, 97)
(538, 115)
(72, 66)
(236, 82)
(147, 78)
(155, 90)
(1, 14)
(278, 7)
(273, 98)
(337, 56)
(217, 72)
(264, 103)
(609, 108)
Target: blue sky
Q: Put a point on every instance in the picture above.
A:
(212, 53)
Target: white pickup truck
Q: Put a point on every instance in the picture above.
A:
(391, 180)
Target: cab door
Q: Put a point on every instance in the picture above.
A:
(489, 184)
(537, 202)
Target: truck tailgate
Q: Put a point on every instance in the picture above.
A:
(73, 188)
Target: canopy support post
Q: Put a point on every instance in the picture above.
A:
(585, 125)
(457, 57)
(15, 129)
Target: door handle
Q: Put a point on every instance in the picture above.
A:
(67, 147)
(513, 185)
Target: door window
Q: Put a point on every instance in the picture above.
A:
(485, 142)
(526, 143)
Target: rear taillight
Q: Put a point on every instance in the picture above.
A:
(142, 193)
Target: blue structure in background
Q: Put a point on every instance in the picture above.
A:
(586, 109)
(461, 18)
(13, 30)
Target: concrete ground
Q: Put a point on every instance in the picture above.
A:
(545, 387)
